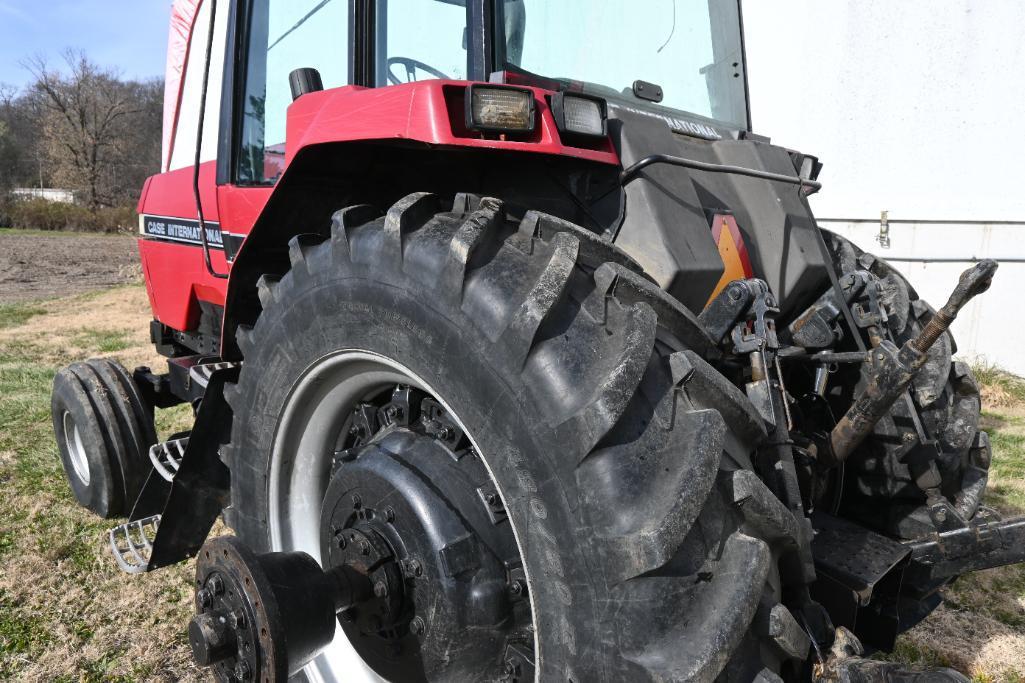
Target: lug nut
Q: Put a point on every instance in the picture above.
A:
(243, 671)
(417, 627)
(237, 620)
(215, 584)
(357, 502)
(389, 515)
(518, 588)
(204, 598)
(381, 589)
(364, 547)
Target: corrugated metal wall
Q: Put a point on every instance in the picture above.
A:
(915, 108)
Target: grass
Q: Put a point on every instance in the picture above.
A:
(104, 341)
(914, 654)
(1006, 387)
(12, 315)
(21, 634)
(66, 612)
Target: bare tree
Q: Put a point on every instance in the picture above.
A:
(10, 152)
(85, 124)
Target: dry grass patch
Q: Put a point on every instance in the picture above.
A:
(1000, 389)
(114, 322)
(66, 612)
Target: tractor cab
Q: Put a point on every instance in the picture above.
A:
(682, 62)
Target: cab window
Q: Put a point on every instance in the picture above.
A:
(421, 39)
(285, 35)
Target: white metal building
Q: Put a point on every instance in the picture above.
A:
(50, 194)
(915, 108)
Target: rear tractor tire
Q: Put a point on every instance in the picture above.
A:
(104, 431)
(946, 397)
(557, 377)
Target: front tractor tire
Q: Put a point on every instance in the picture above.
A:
(618, 455)
(104, 431)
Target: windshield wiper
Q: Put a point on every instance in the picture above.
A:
(298, 24)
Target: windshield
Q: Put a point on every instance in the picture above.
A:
(691, 49)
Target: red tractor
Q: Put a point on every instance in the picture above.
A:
(516, 355)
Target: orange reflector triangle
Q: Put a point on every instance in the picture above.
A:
(732, 251)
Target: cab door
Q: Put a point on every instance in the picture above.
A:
(269, 40)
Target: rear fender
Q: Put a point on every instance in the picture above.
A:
(323, 178)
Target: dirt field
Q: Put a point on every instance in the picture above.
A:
(68, 614)
(36, 266)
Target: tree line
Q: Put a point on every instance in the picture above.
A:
(81, 127)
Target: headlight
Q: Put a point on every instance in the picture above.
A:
(499, 110)
(580, 115)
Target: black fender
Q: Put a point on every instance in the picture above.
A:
(325, 178)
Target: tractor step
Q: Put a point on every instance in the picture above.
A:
(188, 486)
(199, 374)
(132, 543)
(167, 457)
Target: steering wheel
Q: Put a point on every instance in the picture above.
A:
(412, 66)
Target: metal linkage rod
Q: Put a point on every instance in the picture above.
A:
(894, 369)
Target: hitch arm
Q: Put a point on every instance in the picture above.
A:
(974, 547)
(894, 369)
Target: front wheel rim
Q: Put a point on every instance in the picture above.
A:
(314, 412)
(76, 449)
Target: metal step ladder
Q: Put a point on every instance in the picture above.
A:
(132, 543)
(189, 484)
(167, 457)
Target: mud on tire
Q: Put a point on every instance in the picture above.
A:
(621, 454)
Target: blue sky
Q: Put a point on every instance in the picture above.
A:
(130, 35)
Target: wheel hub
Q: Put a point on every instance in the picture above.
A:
(411, 506)
(73, 440)
(418, 564)
(263, 617)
